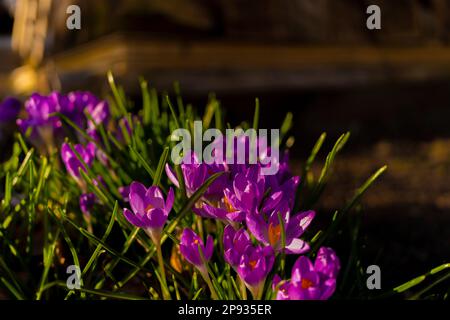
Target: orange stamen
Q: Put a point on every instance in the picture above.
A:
(274, 234)
(252, 264)
(306, 283)
(228, 206)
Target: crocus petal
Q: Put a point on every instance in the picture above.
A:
(297, 246)
(154, 198)
(169, 201)
(171, 175)
(132, 218)
(157, 218)
(301, 266)
(272, 201)
(190, 243)
(204, 211)
(87, 201)
(298, 224)
(257, 226)
(231, 198)
(328, 288)
(208, 211)
(327, 262)
(137, 198)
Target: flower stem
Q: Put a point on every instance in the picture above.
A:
(257, 291)
(204, 272)
(164, 289)
(243, 289)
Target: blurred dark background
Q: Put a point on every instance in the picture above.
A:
(315, 58)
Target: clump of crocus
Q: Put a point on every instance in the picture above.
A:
(198, 254)
(82, 108)
(150, 212)
(310, 281)
(40, 123)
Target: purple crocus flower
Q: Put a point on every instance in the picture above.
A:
(222, 209)
(75, 104)
(39, 108)
(191, 243)
(213, 203)
(78, 101)
(9, 109)
(269, 231)
(149, 209)
(125, 193)
(311, 281)
(196, 173)
(247, 191)
(197, 253)
(99, 113)
(254, 266)
(252, 263)
(71, 161)
(87, 201)
(235, 243)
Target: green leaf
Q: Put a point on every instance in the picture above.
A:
(23, 167)
(117, 95)
(8, 192)
(339, 215)
(414, 282)
(256, 115)
(286, 125)
(13, 287)
(97, 241)
(160, 168)
(105, 236)
(180, 104)
(172, 111)
(331, 156)
(146, 103)
(49, 253)
(283, 243)
(143, 162)
(197, 294)
(314, 153)
(108, 294)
